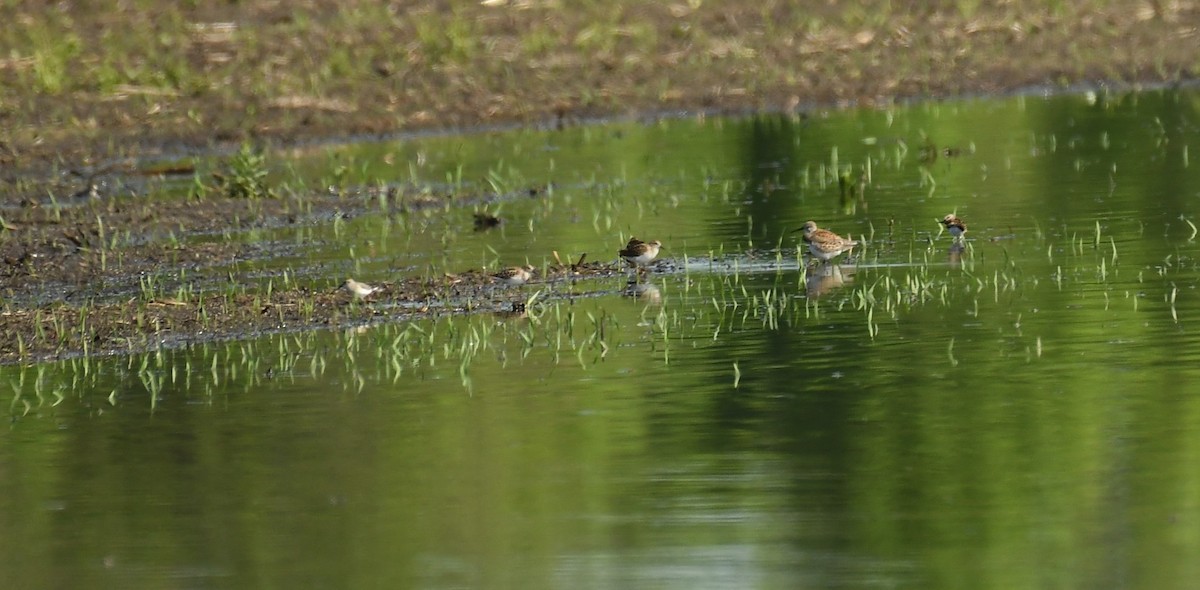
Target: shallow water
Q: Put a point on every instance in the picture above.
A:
(1020, 412)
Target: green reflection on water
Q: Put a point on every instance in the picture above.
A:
(1016, 414)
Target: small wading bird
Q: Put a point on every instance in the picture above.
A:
(954, 225)
(638, 253)
(359, 290)
(823, 243)
(514, 276)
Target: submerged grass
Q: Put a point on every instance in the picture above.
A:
(708, 306)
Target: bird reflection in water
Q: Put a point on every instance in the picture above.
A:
(827, 277)
(645, 292)
(954, 254)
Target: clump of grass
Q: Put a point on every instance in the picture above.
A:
(246, 177)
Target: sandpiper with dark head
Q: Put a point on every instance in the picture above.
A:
(954, 225)
(638, 253)
(824, 244)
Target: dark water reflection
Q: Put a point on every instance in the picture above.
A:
(1020, 412)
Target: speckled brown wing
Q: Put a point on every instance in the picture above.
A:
(637, 252)
(954, 225)
(825, 244)
(514, 276)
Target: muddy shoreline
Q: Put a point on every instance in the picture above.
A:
(69, 287)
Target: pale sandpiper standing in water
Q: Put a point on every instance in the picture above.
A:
(824, 244)
(638, 253)
(359, 290)
(514, 276)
